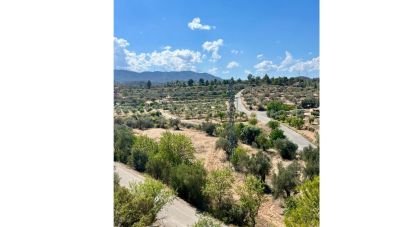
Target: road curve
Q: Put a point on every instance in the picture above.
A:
(178, 213)
(261, 116)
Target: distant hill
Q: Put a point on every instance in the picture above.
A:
(124, 76)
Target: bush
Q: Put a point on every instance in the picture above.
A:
(143, 147)
(259, 165)
(249, 134)
(263, 142)
(188, 181)
(276, 133)
(123, 142)
(303, 209)
(240, 159)
(209, 128)
(176, 148)
(251, 197)
(296, 122)
(285, 181)
(139, 205)
(273, 124)
(222, 143)
(218, 189)
(253, 121)
(286, 148)
(174, 122)
(206, 221)
(311, 157)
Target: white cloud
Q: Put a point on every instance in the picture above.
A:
(248, 71)
(213, 70)
(165, 60)
(232, 65)
(236, 52)
(167, 47)
(288, 64)
(226, 72)
(213, 47)
(259, 56)
(196, 25)
(306, 66)
(265, 66)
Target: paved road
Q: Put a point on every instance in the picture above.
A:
(178, 213)
(261, 116)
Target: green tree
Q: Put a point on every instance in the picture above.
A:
(259, 165)
(286, 148)
(253, 121)
(201, 81)
(143, 147)
(190, 82)
(285, 181)
(123, 142)
(240, 159)
(303, 209)
(311, 157)
(221, 115)
(149, 84)
(175, 122)
(176, 148)
(263, 142)
(276, 133)
(188, 181)
(139, 205)
(217, 188)
(249, 134)
(273, 124)
(251, 197)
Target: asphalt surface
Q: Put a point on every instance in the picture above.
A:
(261, 116)
(178, 213)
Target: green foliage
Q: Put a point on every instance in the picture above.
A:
(143, 147)
(253, 121)
(308, 103)
(249, 134)
(206, 221)
(123, 142)
(286, 148)
(188, 181)
(285, 181)
(176, 148)
(251, 197)
(217, 188)
(303, 209)
(276, 106)
(222, 143)
(139, 205)
(240, 159)
(273, 124)
(311, 157)
(276, 133)
(174, 122)
(209, 128)
(296, 122)
(159, 167)
(259, 165)
(263, 142)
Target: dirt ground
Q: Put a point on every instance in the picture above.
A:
(270, 213)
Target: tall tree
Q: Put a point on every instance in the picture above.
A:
(251, 197)
(190, 82)
(149, 84)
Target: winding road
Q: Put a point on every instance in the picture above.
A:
(178, 213)
(261, 116)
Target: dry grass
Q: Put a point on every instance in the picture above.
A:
(270, 213)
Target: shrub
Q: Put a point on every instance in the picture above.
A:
(143, 147)
(209, 128)
(249, 134)
(251, 197)
(259, 165)
(311, 157)
(217, 188)
(123, 142)
(273, 124)
(253, 121)
(139, 205)
(303, 209)
(176, 148)
(188, 181)
(222, 143)
(286, 148)
(285, 181)
(263, 142)
(206, 221)
(174, 122)
(240, 159)
(296, 122)
(276, 133)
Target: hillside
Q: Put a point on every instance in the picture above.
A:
(124, 76)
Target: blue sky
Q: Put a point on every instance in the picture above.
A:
(225, 38)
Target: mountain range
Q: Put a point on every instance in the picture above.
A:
(125, 76)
